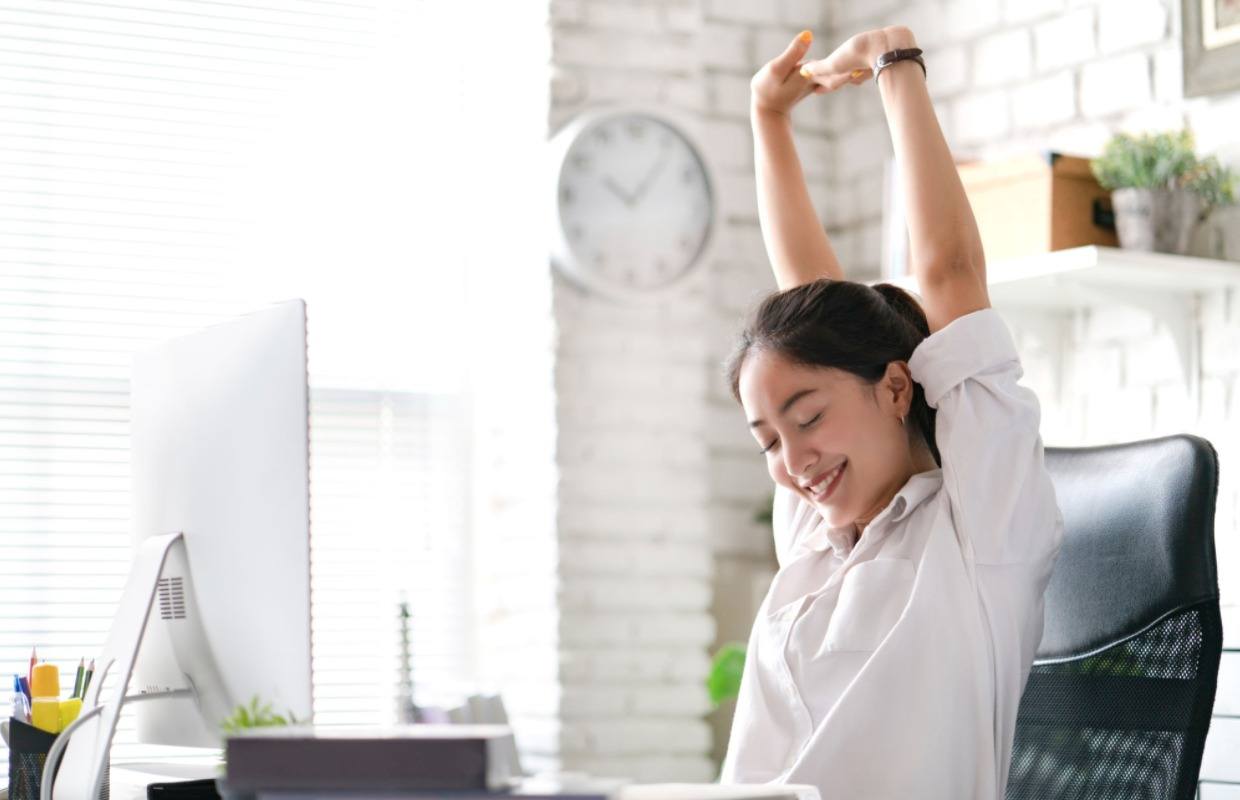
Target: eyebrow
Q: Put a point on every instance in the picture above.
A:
(787, 405)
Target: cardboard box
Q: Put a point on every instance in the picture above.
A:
(1037, 203)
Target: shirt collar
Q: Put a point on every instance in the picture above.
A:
(914, 492)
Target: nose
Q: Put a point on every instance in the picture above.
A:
(799, 460)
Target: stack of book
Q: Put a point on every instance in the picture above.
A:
(461, 762)
(306, 761)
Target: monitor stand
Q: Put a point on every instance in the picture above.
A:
(85, 762)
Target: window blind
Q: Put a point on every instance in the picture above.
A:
(167, 164)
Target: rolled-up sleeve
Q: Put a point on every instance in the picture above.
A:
(987, 431)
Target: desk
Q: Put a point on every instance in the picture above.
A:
(129, 782)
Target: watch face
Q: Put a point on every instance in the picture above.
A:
(634, 203)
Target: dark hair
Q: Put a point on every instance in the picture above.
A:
(849, 326)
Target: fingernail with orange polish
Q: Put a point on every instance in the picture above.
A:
(806, 36)
(805, 73)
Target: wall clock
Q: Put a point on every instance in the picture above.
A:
(635, 205)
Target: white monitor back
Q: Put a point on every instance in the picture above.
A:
(220, 452)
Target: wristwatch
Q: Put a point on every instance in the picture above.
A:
(892, 56)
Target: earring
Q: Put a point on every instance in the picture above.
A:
(901, 420)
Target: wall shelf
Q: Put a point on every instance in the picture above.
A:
(1040, 292)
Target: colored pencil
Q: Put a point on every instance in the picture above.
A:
(77, 680)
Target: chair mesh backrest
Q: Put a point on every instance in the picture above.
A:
(1118, 702)
(1127, 723)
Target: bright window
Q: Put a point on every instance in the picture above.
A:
(166, 164)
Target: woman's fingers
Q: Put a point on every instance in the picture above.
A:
(824, 75)
(846, 58)
(833, 82)
(829, 83)
(786, 62)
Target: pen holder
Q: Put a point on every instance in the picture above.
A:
(28, 747)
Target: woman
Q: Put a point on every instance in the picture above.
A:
(915, 523)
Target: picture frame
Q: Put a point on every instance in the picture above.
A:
(1210, 38)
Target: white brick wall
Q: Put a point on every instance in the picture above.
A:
(1003, 58)
(1125, 24)
(644, 464)
(951, 72)
(1045, 102)
(1016, 12)
(1115, 84)
(966, 19)
(981, 116)
(1064, 40)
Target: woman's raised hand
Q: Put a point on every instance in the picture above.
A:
(785, 80)
(853, 61)
(779, 85)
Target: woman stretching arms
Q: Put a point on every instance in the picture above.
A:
(915, 523)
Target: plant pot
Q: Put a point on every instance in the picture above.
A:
(1218, 236)
(1156, 220)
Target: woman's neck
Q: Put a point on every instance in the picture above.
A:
(920, 461)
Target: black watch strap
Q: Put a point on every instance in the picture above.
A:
(892, 56)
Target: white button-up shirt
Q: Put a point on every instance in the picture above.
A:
(893, 666)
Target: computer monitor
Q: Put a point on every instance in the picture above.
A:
(220, 453)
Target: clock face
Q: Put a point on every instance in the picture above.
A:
(634, 202)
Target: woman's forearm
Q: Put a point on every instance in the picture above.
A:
(795, 241)
(942, 231)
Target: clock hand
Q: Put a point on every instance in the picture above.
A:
(652, 175)
(619, 192)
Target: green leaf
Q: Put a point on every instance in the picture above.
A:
(255, 714)
(1216, 184)
(1146, 161)
(724, 680)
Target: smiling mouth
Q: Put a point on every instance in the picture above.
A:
(824, 485)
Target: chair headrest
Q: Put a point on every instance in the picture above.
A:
(1138, 539)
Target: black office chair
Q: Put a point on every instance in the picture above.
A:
(1119, 698)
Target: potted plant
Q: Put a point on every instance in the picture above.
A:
(1159, 189)
(1218, 186)
(243, 718)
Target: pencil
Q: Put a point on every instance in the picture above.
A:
(77, 680)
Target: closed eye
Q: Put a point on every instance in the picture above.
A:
(807, 424)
